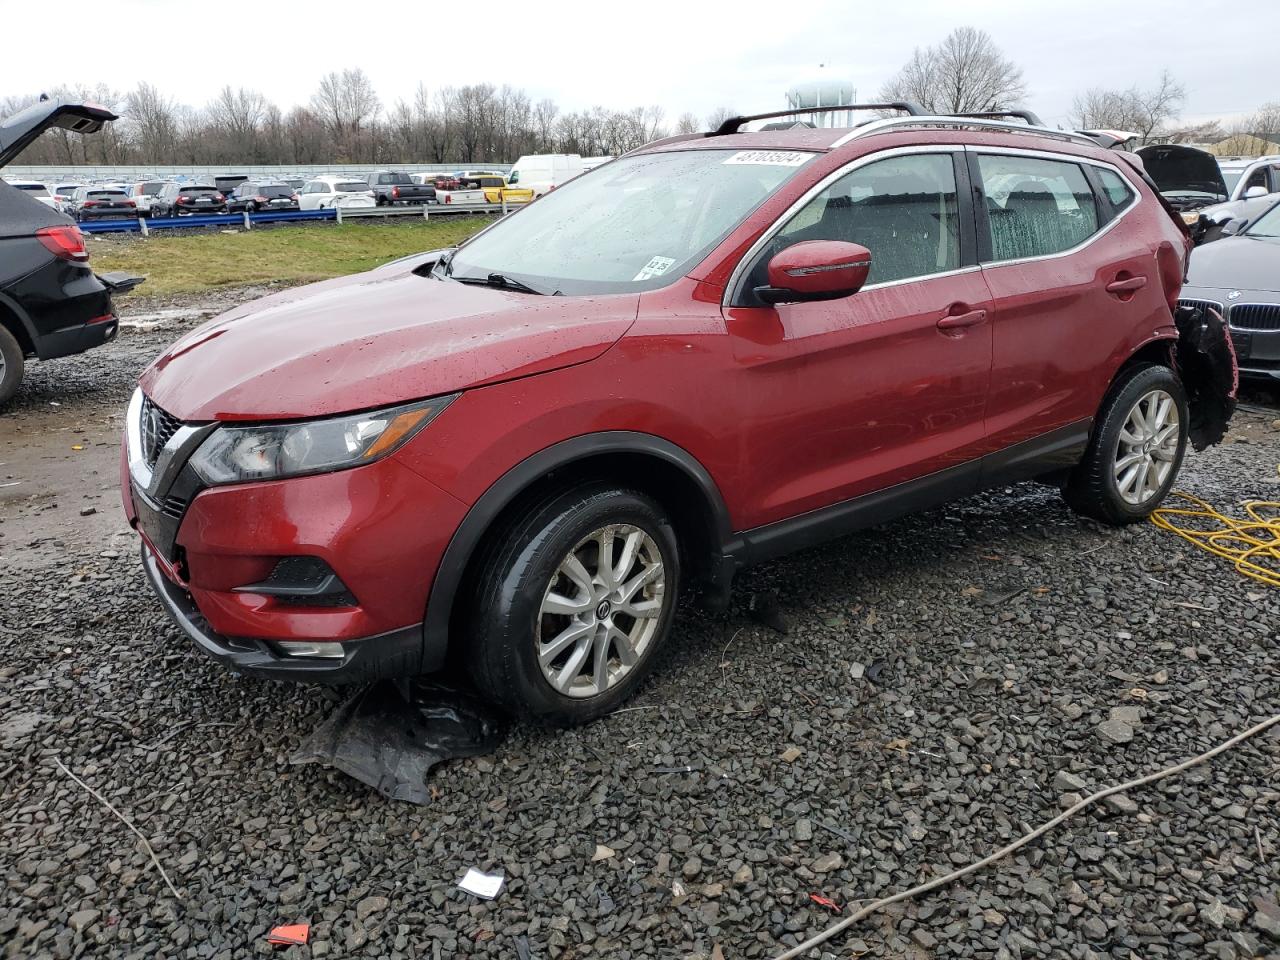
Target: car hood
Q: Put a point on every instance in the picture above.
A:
(1181, 169)
(375, 339)
(1236, 263)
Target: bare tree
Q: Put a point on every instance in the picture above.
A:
(544, 121)
(719, 115)
(346, 104)
(687, 123)
(153, 122)
(965, 73)
(1148, 113)
(235, 117)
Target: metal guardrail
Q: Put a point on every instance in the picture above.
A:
(247, 220)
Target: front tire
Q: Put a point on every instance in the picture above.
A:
(1136, 449)
(11, 365)
(572, 602)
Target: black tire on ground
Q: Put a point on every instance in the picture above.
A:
(11, 364)
(1092, 488)
(505, 621)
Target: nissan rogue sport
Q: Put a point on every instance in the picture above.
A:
(716, 349)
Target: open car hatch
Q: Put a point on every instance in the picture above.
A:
(20, 130)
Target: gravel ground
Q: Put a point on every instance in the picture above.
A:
(948, 682)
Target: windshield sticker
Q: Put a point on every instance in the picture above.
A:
(654, 268)
(770, 158)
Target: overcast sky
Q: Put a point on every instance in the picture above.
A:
(692, 55)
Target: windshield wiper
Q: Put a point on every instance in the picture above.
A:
(501, 281)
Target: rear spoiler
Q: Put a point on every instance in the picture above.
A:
(1107, 139)
(21, 130)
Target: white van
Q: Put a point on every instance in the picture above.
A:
(541, 172)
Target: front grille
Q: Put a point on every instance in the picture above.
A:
(1255, 316)
(174, 507)
(156, 429)
(1201, 304)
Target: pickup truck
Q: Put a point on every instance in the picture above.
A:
(484, 188)
(390, 188)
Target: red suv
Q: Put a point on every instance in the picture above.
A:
(713, 350)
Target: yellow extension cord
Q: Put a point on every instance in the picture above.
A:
(1240, 541)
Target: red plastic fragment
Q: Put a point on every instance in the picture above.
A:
(289, 934)
(827, 902)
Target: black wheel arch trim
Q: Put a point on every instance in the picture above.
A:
(479, 519)
(12, 306)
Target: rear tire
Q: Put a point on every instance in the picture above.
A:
(11, 365)
(1136, 450)
(559, 634)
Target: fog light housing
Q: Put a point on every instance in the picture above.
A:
(308, 648)
(303, 582)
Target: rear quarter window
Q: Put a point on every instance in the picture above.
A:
(1117, 191)
(1036, 207)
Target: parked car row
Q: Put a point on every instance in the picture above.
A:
(530, 178)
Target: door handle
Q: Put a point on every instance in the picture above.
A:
(956, 321)
(1128, 285)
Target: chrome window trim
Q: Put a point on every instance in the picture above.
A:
(740, 269)
(1062, 158)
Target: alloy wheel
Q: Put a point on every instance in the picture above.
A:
(1147, 448)
(601, 610)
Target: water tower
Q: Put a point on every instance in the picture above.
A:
(824, 92)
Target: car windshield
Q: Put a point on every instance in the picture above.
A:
(36, 188)
(1231, 178)
(353, 187)
(199, 191)
(107, 194)
(395, 178)
(633, 225)
(151, 189)
(1267, 225)
(275, 191)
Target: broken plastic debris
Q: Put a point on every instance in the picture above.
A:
(483, 885)
(602, 853)
(763, 609)
(289, 935)
(827, 902)
(391, 742)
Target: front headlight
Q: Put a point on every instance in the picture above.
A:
(239, 454)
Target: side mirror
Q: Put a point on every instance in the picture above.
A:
(816, 270)
(1254, 192)
(1232, 227)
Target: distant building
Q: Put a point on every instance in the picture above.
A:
(1246, 145)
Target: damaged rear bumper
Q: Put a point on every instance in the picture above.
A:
(1205, 356)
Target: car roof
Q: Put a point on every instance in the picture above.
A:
(885, 133)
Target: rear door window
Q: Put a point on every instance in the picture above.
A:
(1036, 207)
(903, 209)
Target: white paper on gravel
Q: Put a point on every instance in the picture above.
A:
(485, 885)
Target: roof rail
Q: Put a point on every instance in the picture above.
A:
(962, 120)
(1032, 119)
(733, 123)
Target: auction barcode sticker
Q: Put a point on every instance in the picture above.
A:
(770, 158)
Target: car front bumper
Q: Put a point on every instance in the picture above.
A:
(380, 528)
